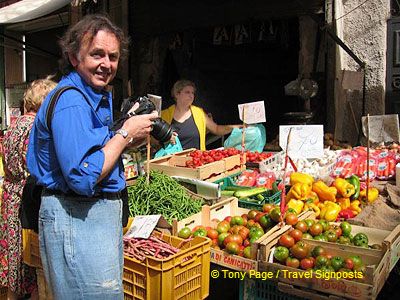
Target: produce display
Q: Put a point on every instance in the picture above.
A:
(256, 157)
(302, 256)
(382, 163)
(235, 234)
(200, 158)
(322, 230)
(153, 246)
(254, 178)
(162, 195)
(342, 199)
(318, 168)
(332, 188)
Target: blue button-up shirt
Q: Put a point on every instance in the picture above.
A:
(71, 156)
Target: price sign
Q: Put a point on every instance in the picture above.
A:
(143, 226)
(254, 112)
(157, 101)
(306, 141)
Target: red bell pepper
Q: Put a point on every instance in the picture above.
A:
(346, 214)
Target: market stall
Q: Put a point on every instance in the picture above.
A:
(319, 244)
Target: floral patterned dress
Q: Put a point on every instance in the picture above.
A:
(14, 274)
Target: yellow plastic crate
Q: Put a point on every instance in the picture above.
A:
(3, 293)
(185, 275)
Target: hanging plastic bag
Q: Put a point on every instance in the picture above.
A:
(169, 149)
(255, 138)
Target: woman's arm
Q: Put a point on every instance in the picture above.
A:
(219, 129)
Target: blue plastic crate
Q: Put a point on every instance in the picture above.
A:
(258, 289)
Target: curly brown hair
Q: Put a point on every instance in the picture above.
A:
(84, 31)
(36, 93)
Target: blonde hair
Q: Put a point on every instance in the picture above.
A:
(37, 92)
(180, 85)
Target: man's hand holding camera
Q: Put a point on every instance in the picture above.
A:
(139, 126)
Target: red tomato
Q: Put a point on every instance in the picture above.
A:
(349, 264)
(286, 241)
(316, 229)
(299, 250)
(306, 263)
(296, 234)
(292, 262)
(291, 219)
(302, 226)
(236, 238)
(212, 234)
(244, 233)
(232, 248)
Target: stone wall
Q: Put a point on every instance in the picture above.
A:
(362, 25)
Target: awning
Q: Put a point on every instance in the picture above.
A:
(25, 10)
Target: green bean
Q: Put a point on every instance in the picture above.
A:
(163, 195)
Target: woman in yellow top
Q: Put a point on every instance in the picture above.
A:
(190, 122)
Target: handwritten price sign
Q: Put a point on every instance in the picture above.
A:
(254, 112)
(306, 141)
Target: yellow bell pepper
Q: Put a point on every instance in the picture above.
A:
(312, 197)
(297, 177)
(343, 202)
(373, 194)
(313, 207)
(355, 206)
(297, 205)
(324, 192)
(344, 188)
(298, 191)
(330, 211)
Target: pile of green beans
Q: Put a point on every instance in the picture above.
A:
(163, 195)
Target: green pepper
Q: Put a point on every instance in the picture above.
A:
(355, 181)
(360, 240)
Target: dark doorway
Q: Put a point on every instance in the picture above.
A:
(229, 74)
(393, 67)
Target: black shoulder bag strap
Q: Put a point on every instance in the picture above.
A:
(31, 193)
(54, 100)
(49, 116)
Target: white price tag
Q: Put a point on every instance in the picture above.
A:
(306, 141)
(142, 226)
(254, 112)
(157, 100)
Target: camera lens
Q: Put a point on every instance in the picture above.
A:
(161, 130)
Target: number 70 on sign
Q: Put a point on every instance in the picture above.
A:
(254, 112)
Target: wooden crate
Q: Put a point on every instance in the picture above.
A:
(211, 215)
(380, 236)
(3, 293)
(219, 211)
(175, 165)
(202, 217)
(377, 270)
(43, 289)
(31, 251)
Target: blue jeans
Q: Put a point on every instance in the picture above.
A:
(81, 247)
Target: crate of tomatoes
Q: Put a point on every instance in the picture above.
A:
(321, 267)
(207, 165)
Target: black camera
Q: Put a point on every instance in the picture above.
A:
(161, 130)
